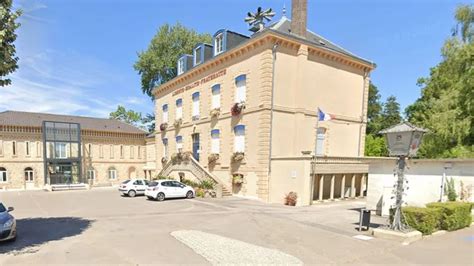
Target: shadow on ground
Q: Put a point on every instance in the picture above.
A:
(33, 232)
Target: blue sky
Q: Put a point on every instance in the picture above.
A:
(77, 56)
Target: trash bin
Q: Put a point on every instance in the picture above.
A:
(364, 219)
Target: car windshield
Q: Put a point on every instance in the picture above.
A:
(125, 182)
(153, 184)
(2, 208)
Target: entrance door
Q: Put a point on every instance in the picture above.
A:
(29, 178)
(196, 146)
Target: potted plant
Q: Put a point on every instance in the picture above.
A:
(213, 157)
(178, 122)
(215, 112)
(238, 156)
(164, 160)
(237, 108)
(238, 179)
(176, 158)
(186, 156)
(163, 126)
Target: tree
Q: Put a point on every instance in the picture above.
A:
(128, 116)
(8, 25)
(446, 107)
(157, 64)
(391, 113)
(374, 108)
(149, 120)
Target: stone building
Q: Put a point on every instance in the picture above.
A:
(45, 150)
(243, 110)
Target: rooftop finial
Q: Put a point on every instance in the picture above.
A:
(284, 10)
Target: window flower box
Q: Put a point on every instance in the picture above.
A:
(164, 160)
(238, 156)
(237, 179)
(215, 112)
(178, 122)
(237, 109)
(179, 157)
(195, 117)
(163, 126)
(213, 157)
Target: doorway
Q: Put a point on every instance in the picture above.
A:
(196, 146)
(29, 178)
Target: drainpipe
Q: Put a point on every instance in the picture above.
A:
(274, 49)
(366, 75)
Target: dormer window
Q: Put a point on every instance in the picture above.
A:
(198, 55)
(181, 63)
(219, 43)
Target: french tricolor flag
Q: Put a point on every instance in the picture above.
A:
(322, 116)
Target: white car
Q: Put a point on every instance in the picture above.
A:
(164, 189)
(133, 187)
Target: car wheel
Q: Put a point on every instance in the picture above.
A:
(148, 197)
(132, 193)
(189, 195)
(160, 196)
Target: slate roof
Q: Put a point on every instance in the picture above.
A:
(284, 25)
(16, 118)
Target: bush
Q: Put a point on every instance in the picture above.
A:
(425, 220)
(190, 183)
(450, 191)
(200, 193)
(206, 184)
(160, 177)
(454, 215)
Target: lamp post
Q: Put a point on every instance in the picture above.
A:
(403, 140)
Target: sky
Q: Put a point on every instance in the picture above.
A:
(77, 56)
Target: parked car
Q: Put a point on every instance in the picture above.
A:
(133, 187)
(7, 224)
(164, 189)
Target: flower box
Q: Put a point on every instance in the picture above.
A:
(178, 122)
(238, 179)
(163, 126)
(215, 112)
(213, 157)
(238, 156)
(237, 109)
(164, 160)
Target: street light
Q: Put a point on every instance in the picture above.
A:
(403, 140)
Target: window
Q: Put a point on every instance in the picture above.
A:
(14, 148)
(165, 113)
(91, 174)
(101, 151)
(138, 183)
(179, 143)
(216, 96)
(121, 151)
(239, 138)
(1, 147)
(197, 55)
(3, 174)
(29, 174)
(89, 150)
(112, 151)
(38, 149)
(181, 66)
(218, 43)
(27, 148)
(240, 88)
(139, 152)
(321, 135)
(60, 150)
(112, 173)
(165, 148)
(195, 112)
(179, 109)
(215, 141)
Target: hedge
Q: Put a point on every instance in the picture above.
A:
(425, 220)
(454, 215)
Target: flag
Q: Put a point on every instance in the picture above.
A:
(322, 116)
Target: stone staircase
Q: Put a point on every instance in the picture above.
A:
(193, 166)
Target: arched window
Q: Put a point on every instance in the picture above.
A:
(179, 143)
(240, 88)
(215, 141)
(216, 96)
(3, 175)
(195, 111)
(29, 176)
(179, 108)
(239, 138)
(320, 141)
(165, 147)
(165, 113)
(112, 173)
(91, 173)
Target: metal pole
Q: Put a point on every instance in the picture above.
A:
(443, 178)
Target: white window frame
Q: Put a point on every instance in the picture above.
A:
(240, 89)
(215, 141)
(196, 53)
(4, 176)
(112, 174)
(181, 66)
(179, 109)
(90, 174)
(165, 113)
(29, 175)
(196, 104)
(216, 97)
(239, 138)
(59, 152)
(219, 43)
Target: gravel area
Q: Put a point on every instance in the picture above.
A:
(222, 250)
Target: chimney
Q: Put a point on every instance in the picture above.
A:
(299, 13)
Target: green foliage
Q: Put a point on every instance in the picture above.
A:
(390, 113)
(374, 109)
(450, 190)
(454, 215)
(158, 63)
(128, 116)
(446, 107)
(149, 120)
(8, 25)
(190, 183)
(375, 146)
(161, 177)
(200, 193)
(206, 184)
(425, 220)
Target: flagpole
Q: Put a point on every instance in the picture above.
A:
(316, 137)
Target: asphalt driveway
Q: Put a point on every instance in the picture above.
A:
(101, 227)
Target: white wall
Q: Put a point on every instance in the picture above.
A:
(424, 181)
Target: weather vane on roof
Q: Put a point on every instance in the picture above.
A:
(256, 20)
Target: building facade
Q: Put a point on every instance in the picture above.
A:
(42, 150)
(246, 110)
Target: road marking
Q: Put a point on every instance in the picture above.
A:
(363, 237)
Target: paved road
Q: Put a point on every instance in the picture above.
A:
(100, 227)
